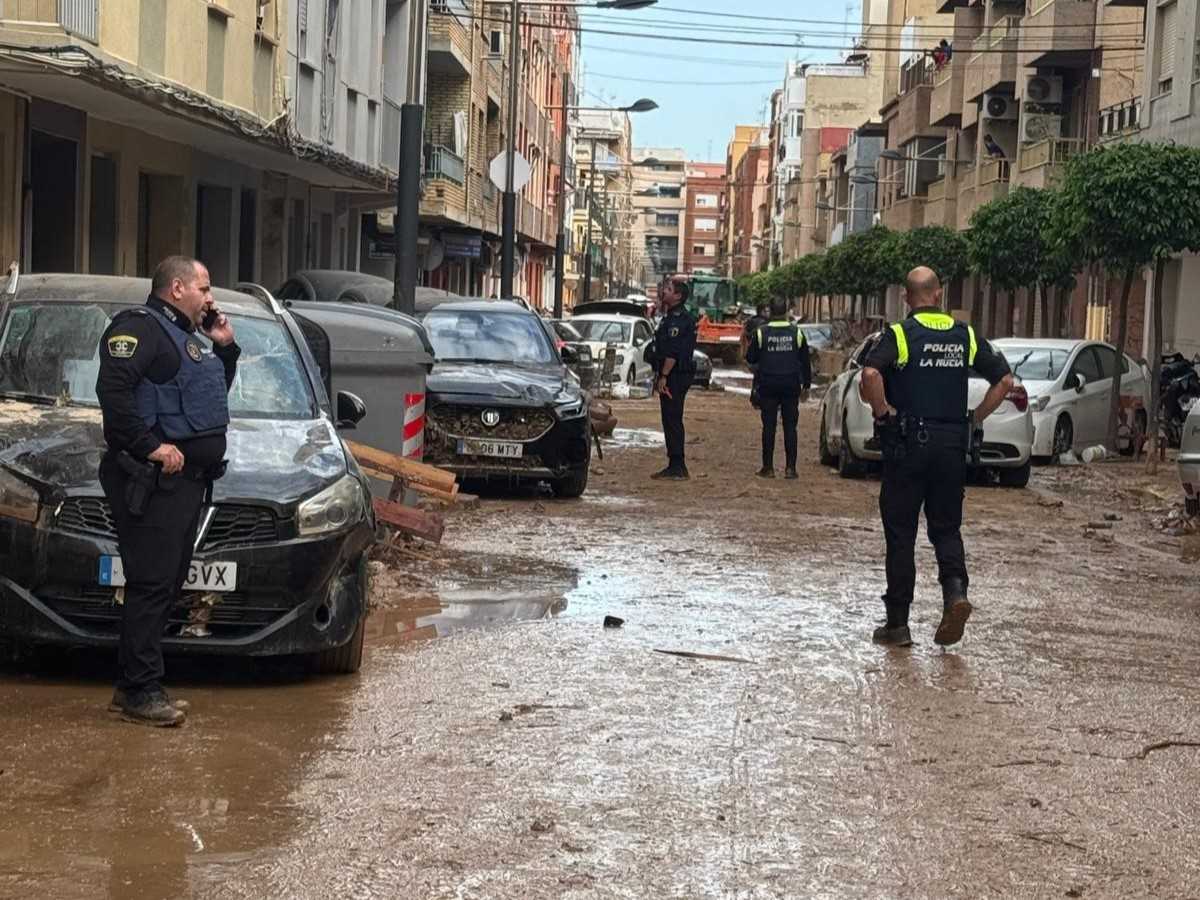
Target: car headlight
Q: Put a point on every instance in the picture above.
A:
(18, 500)
(620, 359)
(337, 506)
(1038, 404)
(568, 405)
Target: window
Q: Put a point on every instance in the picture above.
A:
(1087, 365)
(666, 220)
(1167, 15)
(1108, 362)
(706, 224)
(795, 124)
(707, 201)
(698, 250)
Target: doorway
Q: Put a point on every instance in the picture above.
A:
(102, 218)
(159, 200)
(214, 242)
(247, 235)
(53, 176)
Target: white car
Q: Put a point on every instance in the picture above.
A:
(1069, 382)
(848, 429)
(628, 335)
(1189, 461)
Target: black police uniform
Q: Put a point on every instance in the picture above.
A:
(675, 339)
(779, 353)
(158, 383)
(924, 361)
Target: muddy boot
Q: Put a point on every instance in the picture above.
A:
(892, 636)
(151, 708)
(791, 474)
(118, 701)
(955, 612)
(766, 472)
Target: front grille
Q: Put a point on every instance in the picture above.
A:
(232, 526)
(87, 515)
(516, 424)
(240, 526)
(234, 615)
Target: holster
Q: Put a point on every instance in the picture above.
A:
(141, 482)
(892, 435)
(755, 398)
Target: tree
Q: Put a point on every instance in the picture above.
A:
(863, 265)
(942, 249)
(1130, 206)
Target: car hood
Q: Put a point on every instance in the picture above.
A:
(497, 382)
(279, 461)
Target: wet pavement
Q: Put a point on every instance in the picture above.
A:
(500, 742)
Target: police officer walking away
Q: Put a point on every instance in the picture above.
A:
(674, 344)
(778, 354)
(915, 380)
(163, 394)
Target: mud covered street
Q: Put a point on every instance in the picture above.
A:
(499, 742)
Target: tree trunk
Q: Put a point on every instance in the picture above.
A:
(1114, 401)
(1156, 348)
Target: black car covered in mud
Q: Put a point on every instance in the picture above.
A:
(500, 404)
(279, 562)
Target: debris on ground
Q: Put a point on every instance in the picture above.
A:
(613, 622)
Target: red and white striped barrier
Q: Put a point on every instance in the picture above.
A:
(414, 426)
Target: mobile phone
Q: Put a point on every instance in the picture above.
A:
(210, 318)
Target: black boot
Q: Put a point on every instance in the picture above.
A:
(151, 708)
(955, 612)
(118, 701)
(791, 474)
(893, 632)
(766, 472)
(673, 472)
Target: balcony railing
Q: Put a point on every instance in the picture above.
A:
(1050, 152)
(79, 17)
(1120, 118)
(442, 162)
(994, 170)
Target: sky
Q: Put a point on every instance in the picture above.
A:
(704, 88)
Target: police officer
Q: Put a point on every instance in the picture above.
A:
(674, 342)
(163, 394)
(778, 354)
(915, 380)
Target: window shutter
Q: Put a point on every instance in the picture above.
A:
(1166, 40)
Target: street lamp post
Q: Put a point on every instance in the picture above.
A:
(408, 182)
(587, 247)
(560, 239)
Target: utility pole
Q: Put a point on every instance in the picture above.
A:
(508, 208)
(587, 248)
(560, 241)
(407, 223)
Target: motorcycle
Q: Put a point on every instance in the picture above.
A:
(1179, 391)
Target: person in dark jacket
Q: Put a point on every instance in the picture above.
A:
(778, 354)
(675, 344)
(163, 396)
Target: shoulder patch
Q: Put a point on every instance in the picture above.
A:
(122, 346)
(193, 349)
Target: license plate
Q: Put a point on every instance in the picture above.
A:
(503, 449)
(202, 576)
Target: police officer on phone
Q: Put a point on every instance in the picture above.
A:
(674, 344)
(163, 395)
(915, 380)
(778, 354)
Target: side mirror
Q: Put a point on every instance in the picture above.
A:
(1076, 382)
(350, 410)
(569, 354)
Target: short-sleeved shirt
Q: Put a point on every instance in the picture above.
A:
(676, 339)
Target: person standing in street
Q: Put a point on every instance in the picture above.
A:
(915, 380)
(163, 395)
(778, 355)
(674, 343)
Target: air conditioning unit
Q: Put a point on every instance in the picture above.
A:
(1040, 127)
(1044, 89)
(998, 106)
(495, 42)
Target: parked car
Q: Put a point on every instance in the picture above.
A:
(1069, 383)
(819, 335)
(847, 426)
(345, 286)
(500, 403)
(280, 559)
(582, 363)
(627, 335)
(1189, 461)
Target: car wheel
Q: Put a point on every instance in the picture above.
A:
(346, 659)
(824, 454)
(1191, 506)
(572, 486)
(1064, 436)
(849, 465)
(1014, 478)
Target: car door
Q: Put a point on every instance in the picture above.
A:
(845, 389)
(1089, 409)
(641, 338)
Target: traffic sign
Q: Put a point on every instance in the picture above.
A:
(522, 171)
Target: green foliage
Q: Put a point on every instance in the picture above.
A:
(863, 264)
(942, 249)
(1009, 238)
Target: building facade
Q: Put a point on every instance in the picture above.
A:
(750, 219)
(659, 174)
(743, 137)
(705, 198)
(787, 159)
(603, 210)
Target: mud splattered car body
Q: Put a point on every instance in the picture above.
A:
(289, 522)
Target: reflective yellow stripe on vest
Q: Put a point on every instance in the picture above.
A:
(901, 346)
(936, 321)
(974, 346)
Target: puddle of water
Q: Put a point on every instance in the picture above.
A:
(638, 438)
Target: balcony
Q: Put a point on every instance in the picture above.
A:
(993, 181)
(1039, 165)
(444, 163)
(940, 203)
(1120, 121)
(449, 50)
(78, 17)
(905, 215)
(993, 62)
(494, 82)
(912, 115)
(1060, 33)
(965, 207)
(946, 101)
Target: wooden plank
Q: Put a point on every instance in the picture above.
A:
(407, 469)
(449, 496)
(429, 526)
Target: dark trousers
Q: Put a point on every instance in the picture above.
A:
(777, 398)
(931, 475)
(156, 550)
(672, 415)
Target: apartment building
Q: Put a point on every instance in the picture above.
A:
(849, 188)
(602, 221)
(787, 127)
(659, 174)
(247, 132)
(750, 208)
(705, 197)
(743, 137)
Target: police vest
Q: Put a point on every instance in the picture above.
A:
(929, 379)
(195, 402)
(778, 343)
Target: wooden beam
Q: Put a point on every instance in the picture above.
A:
(429, 526)
(449, 496)
(397, 466)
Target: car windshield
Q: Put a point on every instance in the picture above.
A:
(50, 352)
(567, 332)
(603, 332)
(818, 334)
(485, 336)
(1035, 363)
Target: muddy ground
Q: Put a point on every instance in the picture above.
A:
(500, 742)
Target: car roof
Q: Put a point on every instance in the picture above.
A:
(335, 280)
(123, 290)
(1046, 343)
(607, 317)
(480, 305)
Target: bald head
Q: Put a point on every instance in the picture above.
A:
(922, 288)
